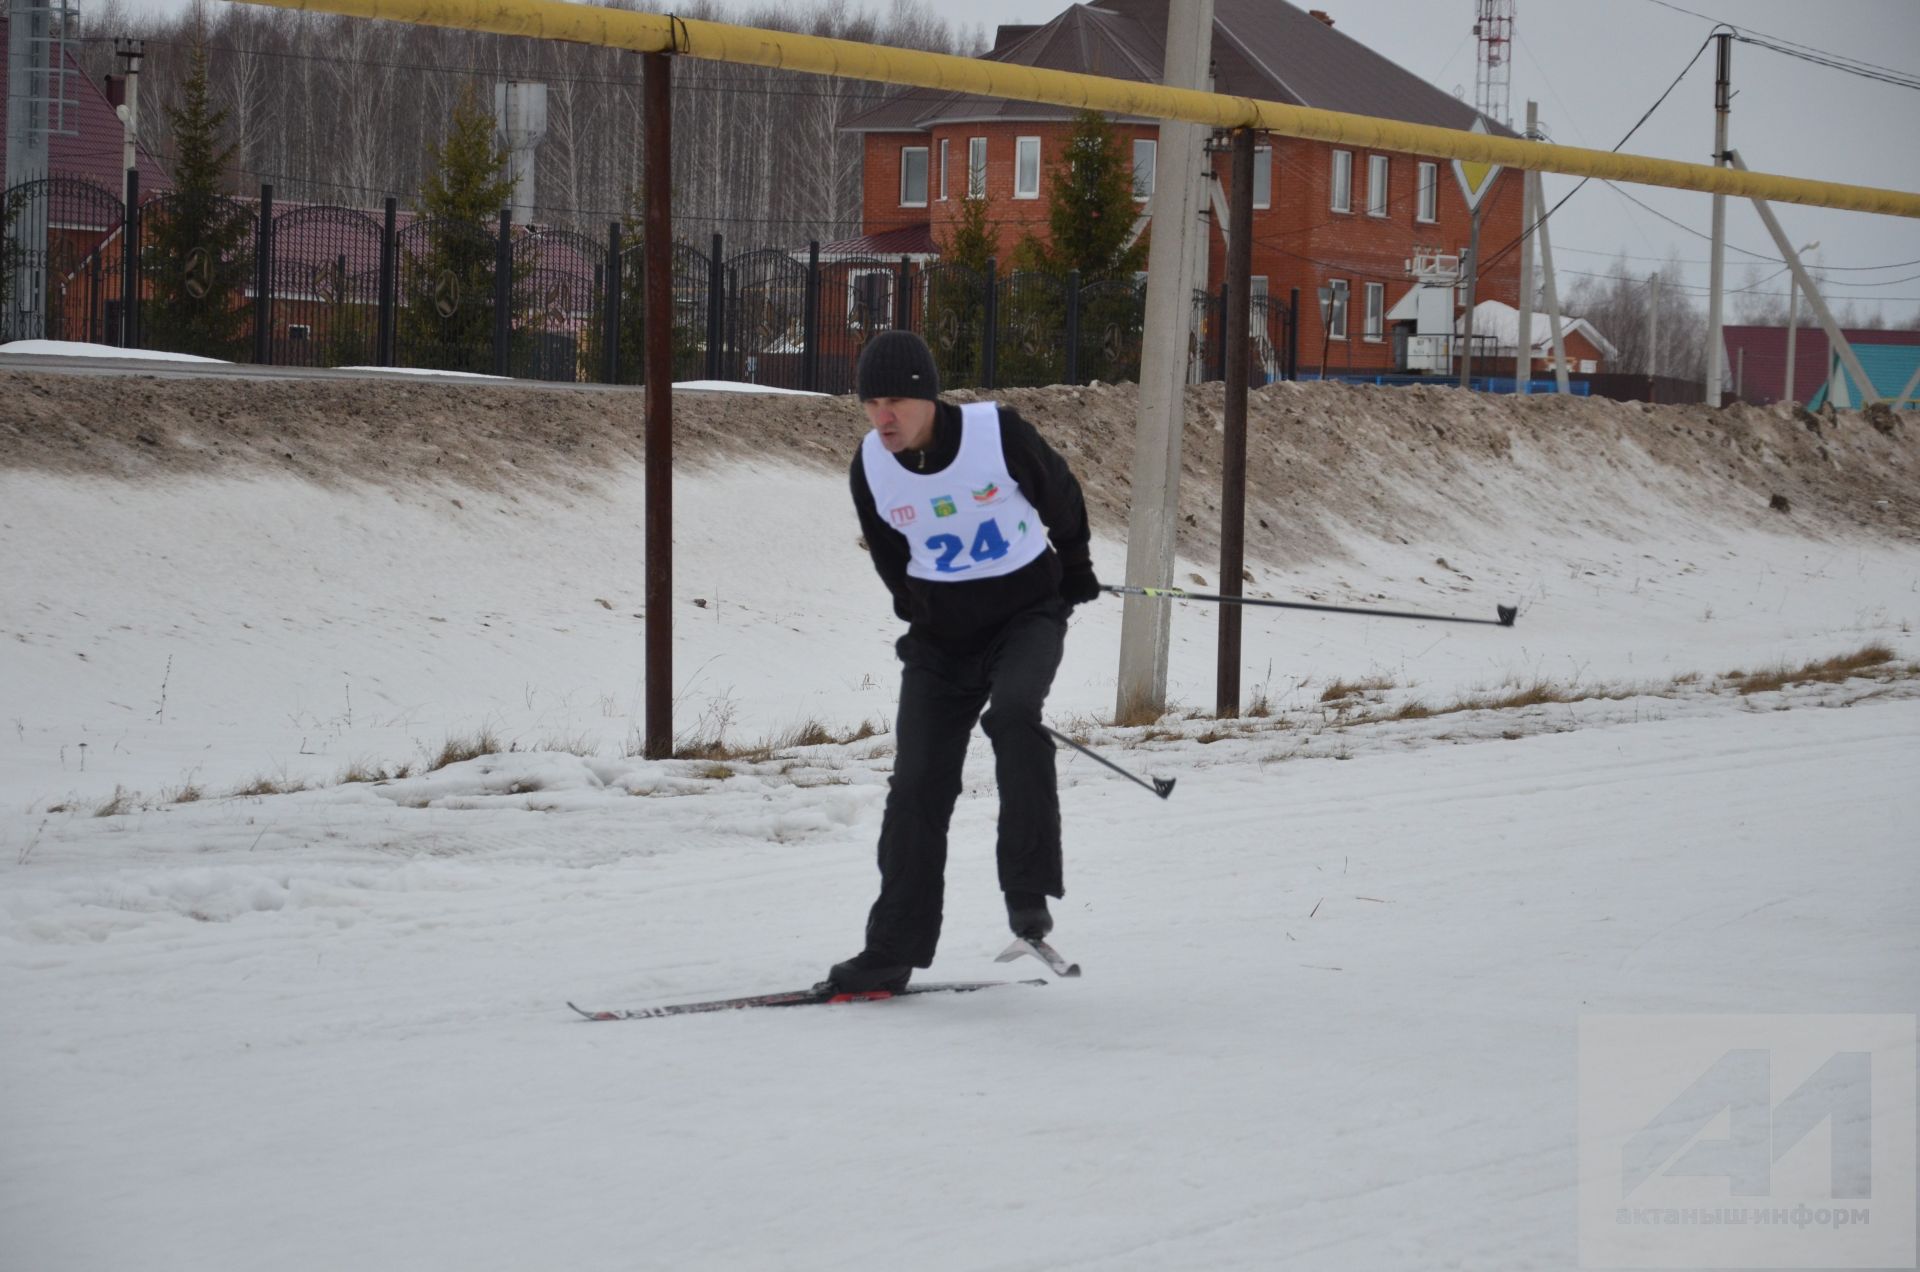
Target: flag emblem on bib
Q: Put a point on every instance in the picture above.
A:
(943, 506)
(987, 495)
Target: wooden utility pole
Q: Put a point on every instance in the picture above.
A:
(1153, 526)
(657, 254)
(1233, 455)
(1653, 340)
(1716, 283)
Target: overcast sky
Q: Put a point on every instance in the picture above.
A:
(1596, 68)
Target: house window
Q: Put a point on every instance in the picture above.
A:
(1343, 181)
(1144, 151)
(1429, 208)
(1026, 168)
(1257, 299)
(870, 300)
(913, 176)
(1376, 315)
(976, 167)
(1263, 176)
(943, 170)
(1334, 310)
(1376, 185)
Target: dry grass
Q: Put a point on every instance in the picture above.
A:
(458, 750)
(362, 771)
(1342, 689)
(1412, 710)
(806, 733)
(114, 805)
(714, 772)
(1828, 671)
(268, 786)
(186, 794)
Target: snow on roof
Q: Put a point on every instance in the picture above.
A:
(1502, 321)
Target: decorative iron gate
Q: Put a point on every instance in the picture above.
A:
(559, 288)
(325, 289)
(445, 311)
(59, 261)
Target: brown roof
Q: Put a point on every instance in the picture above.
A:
(911, 240)
(1265, 49)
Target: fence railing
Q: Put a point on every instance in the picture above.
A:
(324, 286)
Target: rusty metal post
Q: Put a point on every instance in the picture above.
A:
(658, 257)
(1233, 459)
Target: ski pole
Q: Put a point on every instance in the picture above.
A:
(1507, 613)
(1161, 786)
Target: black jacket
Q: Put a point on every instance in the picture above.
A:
(964, 616)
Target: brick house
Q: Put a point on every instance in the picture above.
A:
(1331, 216)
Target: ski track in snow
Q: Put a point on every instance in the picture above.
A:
(1333, 984)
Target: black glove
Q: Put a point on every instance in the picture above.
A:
(1078, 585)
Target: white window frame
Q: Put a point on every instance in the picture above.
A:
(905, 202)
(1377, 185)
(1152, 151)
(1262, 167)
(1021, 148)
(853, 298)
(1426, 208)
(976, 167)
(1374, 316)
(1256, 290)
(1342, 195)
(943, 170)
(1340, 300)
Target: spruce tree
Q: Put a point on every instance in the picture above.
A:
(1090, 209)
(446, 319)
(197, 249)
(956, 295)
(12, 256)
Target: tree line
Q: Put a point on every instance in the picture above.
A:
(346, 111)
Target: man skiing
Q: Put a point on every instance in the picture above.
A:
(958, 504)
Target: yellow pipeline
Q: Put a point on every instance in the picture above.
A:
(719, 42)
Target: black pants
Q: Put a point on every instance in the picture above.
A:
(941, 695)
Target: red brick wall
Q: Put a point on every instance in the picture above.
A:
(1298, 242)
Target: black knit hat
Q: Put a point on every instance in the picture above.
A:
(898, 364)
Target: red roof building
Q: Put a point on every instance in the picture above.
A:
(1324, 215)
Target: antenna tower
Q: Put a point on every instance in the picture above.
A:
(1493, 77)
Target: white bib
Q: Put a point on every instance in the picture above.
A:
(968, 521)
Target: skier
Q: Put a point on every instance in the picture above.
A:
(958, 504)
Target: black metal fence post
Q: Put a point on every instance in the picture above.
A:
(503, 294)
(990, 320)
(903, 297)
(263, 280)
(810, 323)
(1073, 326)
(1293, 333)
(716, 307)
(389, 269)
(611, 297)
(130, 265)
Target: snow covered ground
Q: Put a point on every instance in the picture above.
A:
(1333, 984)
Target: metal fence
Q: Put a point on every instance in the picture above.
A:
(324, 286)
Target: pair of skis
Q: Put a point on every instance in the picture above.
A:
(825, 994)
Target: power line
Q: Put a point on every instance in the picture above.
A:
(1838, 61)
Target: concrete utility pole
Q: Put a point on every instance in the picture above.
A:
(520, 123)
(1529, 213)
(1553, 288)
(1793, 320)
(1838, 344)
(130, 51)
(1722, 103)
(1152, 528)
